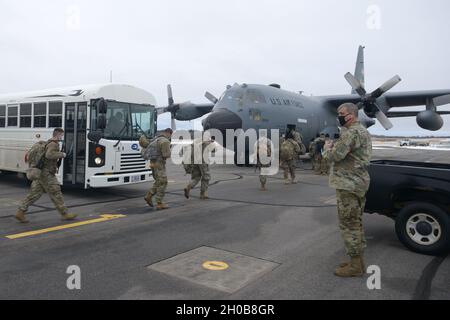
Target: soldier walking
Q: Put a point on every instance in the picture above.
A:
(319, 144)
(263, 148)
(47, 181)
(324, 164)
(158, 152)
(199, 171)
(312, 153)
(288, 156)
(350, 157)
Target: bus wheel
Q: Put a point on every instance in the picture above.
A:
(424, 228)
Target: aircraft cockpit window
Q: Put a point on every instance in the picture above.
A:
(255, 96)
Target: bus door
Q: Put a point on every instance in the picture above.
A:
(75, 143)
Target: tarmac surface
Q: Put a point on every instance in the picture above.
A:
(241, 244)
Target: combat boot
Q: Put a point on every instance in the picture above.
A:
(204, 196)
(162, 206)
(69, 216)
(187, 192)
(20, 216)
(352, 269)
(363, 264)
(149, 199)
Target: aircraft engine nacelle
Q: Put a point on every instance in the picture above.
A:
(430, 120)
(188, 113)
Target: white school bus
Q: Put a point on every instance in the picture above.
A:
(117, 114)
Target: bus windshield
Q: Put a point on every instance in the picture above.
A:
(128, 121)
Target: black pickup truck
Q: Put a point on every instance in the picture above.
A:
(417, 196)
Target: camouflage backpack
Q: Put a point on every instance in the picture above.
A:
(152, 151)
(35, 159)
(286, 151)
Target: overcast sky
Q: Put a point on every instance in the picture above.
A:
(201, 45)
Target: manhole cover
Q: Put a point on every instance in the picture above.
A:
(216, 269)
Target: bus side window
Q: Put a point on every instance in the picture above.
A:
(2, 116)
(55, 117)
(25, 115)
(40, 115)
(13, 116)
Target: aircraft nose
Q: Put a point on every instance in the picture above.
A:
(222, 120)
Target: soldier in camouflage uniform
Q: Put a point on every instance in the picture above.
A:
(47, 181)
(350, 157)
(297, 136)
(320, 141)
(312, 153)
(263, 148)
(324, 164)
(158, 166)
(200, 172)
(289, 160)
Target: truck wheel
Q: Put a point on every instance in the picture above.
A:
(424, 228)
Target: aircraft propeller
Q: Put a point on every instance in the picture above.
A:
(369, 101)
(211, 98)
(172, 108)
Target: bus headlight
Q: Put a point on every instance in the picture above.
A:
(97, 155)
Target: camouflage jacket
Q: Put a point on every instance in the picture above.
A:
(194, 154)
(164, 147)
(350, 158)
(312, 148)
(52, 156)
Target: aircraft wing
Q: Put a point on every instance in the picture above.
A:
(405, 114)
(398, 100)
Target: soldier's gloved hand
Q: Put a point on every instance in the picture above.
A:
(64, 155)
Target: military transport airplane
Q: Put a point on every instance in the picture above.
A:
(252, 106)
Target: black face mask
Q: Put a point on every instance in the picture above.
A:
(342, 120)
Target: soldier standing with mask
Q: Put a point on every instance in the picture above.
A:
(47, 181)
(350, 157)
(159, 151)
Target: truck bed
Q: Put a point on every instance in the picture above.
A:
(396, 183)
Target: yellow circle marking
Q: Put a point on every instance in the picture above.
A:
(215, 265)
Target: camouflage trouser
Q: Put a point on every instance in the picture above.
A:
(350, 210)
(313, 161)
(324, 166)
(262, 178)
(317, 162)
(200, 172)
(160, 176)
(289, 168)
(47, 183)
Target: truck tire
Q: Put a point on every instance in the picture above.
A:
(424, 228)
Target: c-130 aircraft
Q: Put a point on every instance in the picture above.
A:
(253, 106)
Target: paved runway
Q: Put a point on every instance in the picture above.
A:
(282, 244)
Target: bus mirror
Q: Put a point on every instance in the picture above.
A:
(101, 122)
(102, 106)
(95, 136)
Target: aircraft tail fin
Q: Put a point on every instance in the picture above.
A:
(359, 70)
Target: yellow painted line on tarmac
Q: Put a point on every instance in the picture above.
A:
(103, 218)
